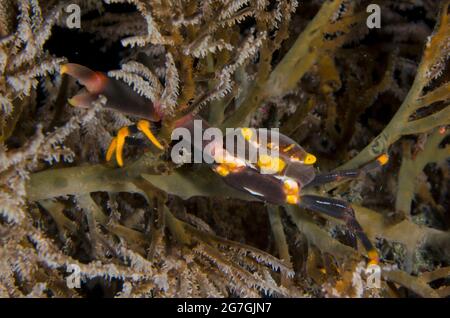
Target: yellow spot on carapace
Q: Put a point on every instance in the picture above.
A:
(310, 159)
(222, 170)
(290, 186)
(373, 257)
(292, 191)
(270, 164)
(247, 133)
(121, 135)
(144, 126)
(292, 199)
(383, 159)
(286, 149)
(272, 146)
(224, 157)
(218, 158)
(112, 147)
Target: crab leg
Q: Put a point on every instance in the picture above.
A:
(278, 191)
(349, 174)
(343, 211)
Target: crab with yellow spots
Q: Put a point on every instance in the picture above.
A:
(281, 171)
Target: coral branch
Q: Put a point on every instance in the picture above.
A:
(400, 124)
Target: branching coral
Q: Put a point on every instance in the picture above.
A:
(22, 58)
(406, 120)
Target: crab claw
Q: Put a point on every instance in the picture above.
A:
(117, 143)
(120, 96)
(95, 82)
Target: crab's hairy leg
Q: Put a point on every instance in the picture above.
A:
(144, 127)
(343, 211)
(120, 96)
(349, 174)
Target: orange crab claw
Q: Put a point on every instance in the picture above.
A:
(120, 97)
(120, 142)
(111, 149)
(144, 127)
(95, 82)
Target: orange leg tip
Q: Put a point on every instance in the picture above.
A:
(373, 257)
(383, 159)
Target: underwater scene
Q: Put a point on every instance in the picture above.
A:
(224, 149)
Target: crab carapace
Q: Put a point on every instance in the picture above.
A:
(276, 179)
